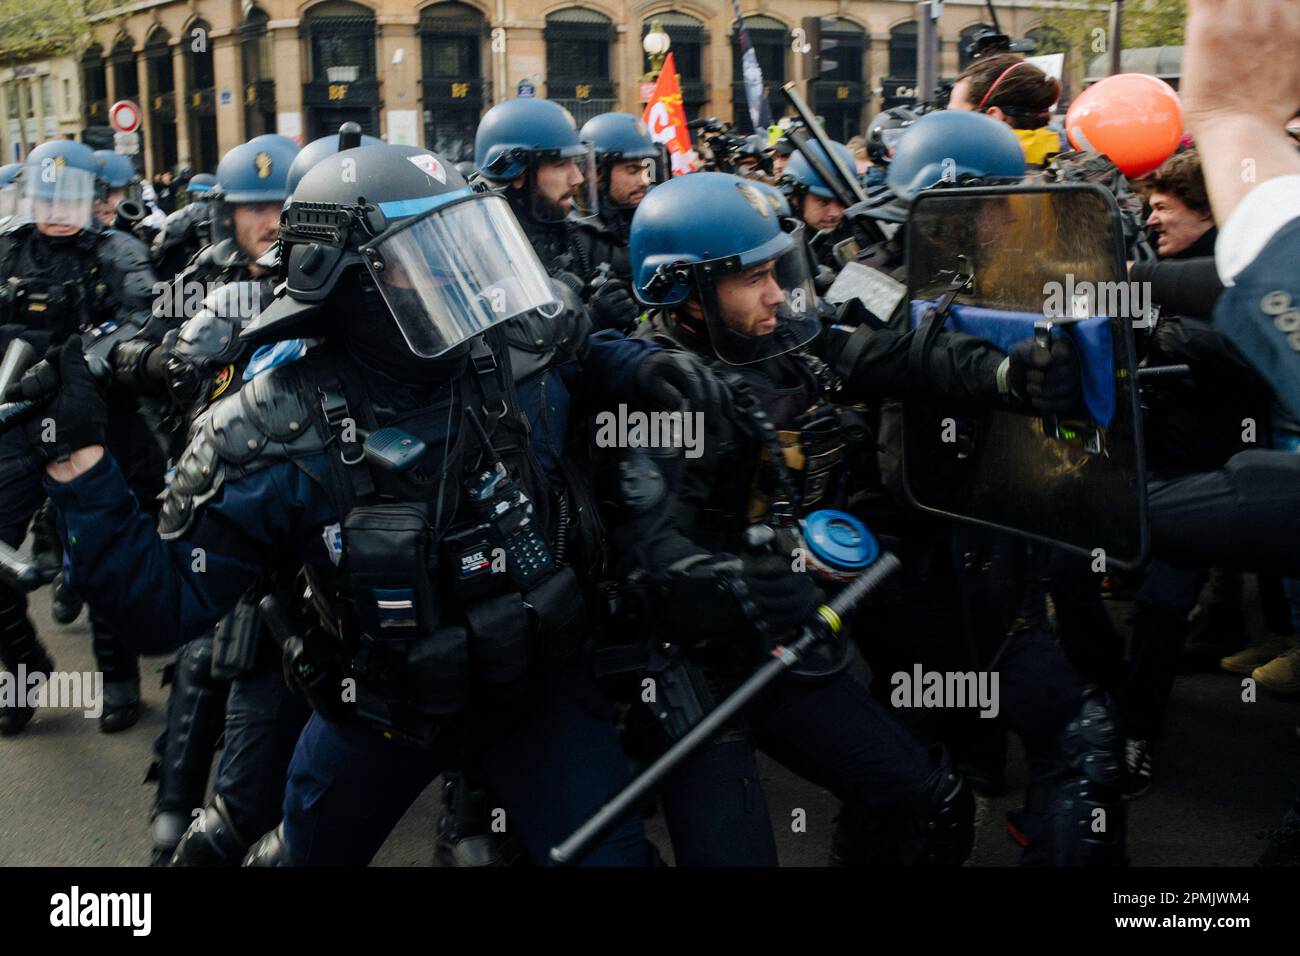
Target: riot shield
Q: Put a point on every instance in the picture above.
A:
(1016, 262)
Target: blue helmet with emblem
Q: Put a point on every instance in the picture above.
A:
(802, 178)
(517, 137)
(444, 262)
(251, 189)
(712, 247)
(282, 142)
(60, 184)
(318, 149)
(256, 171)
(954, 147)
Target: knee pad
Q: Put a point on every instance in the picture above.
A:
(1081, 815)
(270, 850)
(212, 839)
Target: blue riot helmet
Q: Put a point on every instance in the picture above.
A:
(118, 182)
(9, 190)
(628, 160)
(712, 247)
(778, 200)
(275, 139)
(60, 182)
(802, 178)
(318, 149)
(448, 262)
(535, 144)
(199, 186)
(954, 147)
(252, 185)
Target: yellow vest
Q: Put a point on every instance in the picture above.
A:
(1038, 144)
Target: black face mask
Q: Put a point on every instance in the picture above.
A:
(368, 332)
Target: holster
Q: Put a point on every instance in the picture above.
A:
(235, 640)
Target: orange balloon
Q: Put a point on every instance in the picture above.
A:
(1133, 118)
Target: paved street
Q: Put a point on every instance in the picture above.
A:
(70, 795)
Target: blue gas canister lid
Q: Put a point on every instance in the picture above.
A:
(839, 540)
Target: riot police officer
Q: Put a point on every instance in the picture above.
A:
(226, 680)
(185, 231)
(65, 277)
(628, 163)
(734, 290)
(422, 656)
(530, 150)
(813, 201)
(119, 179)
(883, 133)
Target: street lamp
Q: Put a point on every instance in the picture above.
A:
(656, 44)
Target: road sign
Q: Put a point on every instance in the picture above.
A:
(127, 144)
(124, 116)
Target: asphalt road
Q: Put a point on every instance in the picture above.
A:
(72, 796)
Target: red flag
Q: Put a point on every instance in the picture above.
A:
(666, 117)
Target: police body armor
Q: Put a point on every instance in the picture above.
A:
(442, 590)
(601, 241)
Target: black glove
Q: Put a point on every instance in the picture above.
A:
(612, 306)
(75, 414)
(1048, 380)
(785, 599)
(674, 380)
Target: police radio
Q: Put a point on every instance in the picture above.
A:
(506, 527)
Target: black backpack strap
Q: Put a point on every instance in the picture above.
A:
(348, 460)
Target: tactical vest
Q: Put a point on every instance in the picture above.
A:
(448, 582)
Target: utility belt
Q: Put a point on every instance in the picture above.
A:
(440, 619)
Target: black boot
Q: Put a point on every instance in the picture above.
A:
(121, 672)
(212, 839)
(65, 604)
(465, 837)
(121, 706)
(19, 647)
(196, 717)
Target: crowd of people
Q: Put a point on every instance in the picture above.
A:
(347, 437)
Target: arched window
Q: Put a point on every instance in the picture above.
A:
(126, 82)
(202, 106)
(771, 39)
(689, 40)
(341, 59)
(839, 93)
(579, 42)
(452, 37)
(258, 60)
(94, 81)
(902, 51)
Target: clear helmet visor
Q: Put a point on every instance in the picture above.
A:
(563, 183)
(253, 227)
(9, 197)
(455, 272)
(764, 309)
(57, 195)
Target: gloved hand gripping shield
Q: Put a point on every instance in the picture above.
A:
(1020, 264)
(456, 270)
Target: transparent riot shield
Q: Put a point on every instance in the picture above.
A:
(1006, 264)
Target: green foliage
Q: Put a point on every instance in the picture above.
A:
(1146, 23)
